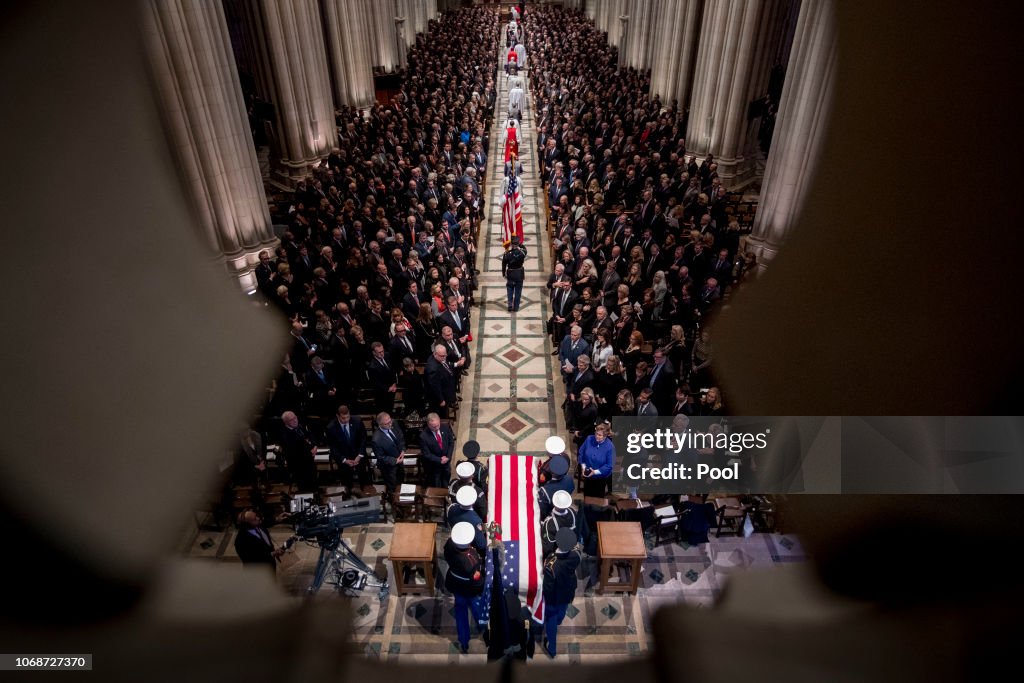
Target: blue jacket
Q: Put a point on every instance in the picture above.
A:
(598, 456)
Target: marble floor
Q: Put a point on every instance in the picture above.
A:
(598, 628)
(514, 391)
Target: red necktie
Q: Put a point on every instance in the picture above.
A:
(440, 444)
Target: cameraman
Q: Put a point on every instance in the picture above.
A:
(253, 544)
(513, 272)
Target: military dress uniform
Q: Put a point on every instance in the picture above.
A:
(559, 586)
(465, 579)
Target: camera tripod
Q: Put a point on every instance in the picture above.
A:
(339, 566)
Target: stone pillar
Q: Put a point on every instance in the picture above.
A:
(385, 52)
(416, 14)
(294, 60)
(346, 23)
(799, 130)
(734, 58)
(201, 101)
(672, 68)
(639, 40)
(614, 23)
(407, 10)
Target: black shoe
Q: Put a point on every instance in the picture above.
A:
(547, 650)
(464, 649)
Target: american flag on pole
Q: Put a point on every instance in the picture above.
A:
(512, 503)
(512, 211)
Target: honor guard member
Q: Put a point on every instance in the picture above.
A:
(559, 585)
(512, 269)
(465, 578)
(562, 517)
(462, 511)
(471, 449)
(466, 473)
(555, 447)
(557, 481)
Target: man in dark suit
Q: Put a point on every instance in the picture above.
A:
(389, 448)
(721, 268)
(373, 323)
(302, 350)
(346, 438)
(321, 387)
(456, 319)
(411, 301)
(709, 294)
(572, 347)
(662, 383)
(581, 379)
(562, 300)
(264, 270)
(383, 378)
(458, 354)
(440, 381)
(402, 345)
(437, 444)
(253, 544)
(298, 452)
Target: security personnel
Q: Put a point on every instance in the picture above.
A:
(462, 511)
(466, 472)
(562, 517)
(465, 578)
(513, 272)
(559, 585)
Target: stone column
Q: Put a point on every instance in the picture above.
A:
(799, 130)
(201, 101)
(614, 23)
(672, 68)
(407, 10)
(291, 43)
(384, 51)
(639, 41)
(734, 58)
(346, 23)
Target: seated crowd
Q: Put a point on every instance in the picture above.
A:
(376, 271)
(644, 247)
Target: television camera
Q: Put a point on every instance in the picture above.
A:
(322, 525)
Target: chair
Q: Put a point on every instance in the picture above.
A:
(731, 514)
(407, 510)
(666, 524)
(435, 502)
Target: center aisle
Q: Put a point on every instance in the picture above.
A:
(513, 398)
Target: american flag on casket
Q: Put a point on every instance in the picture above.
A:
(512, 504)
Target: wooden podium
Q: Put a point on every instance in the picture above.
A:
(620, 541)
